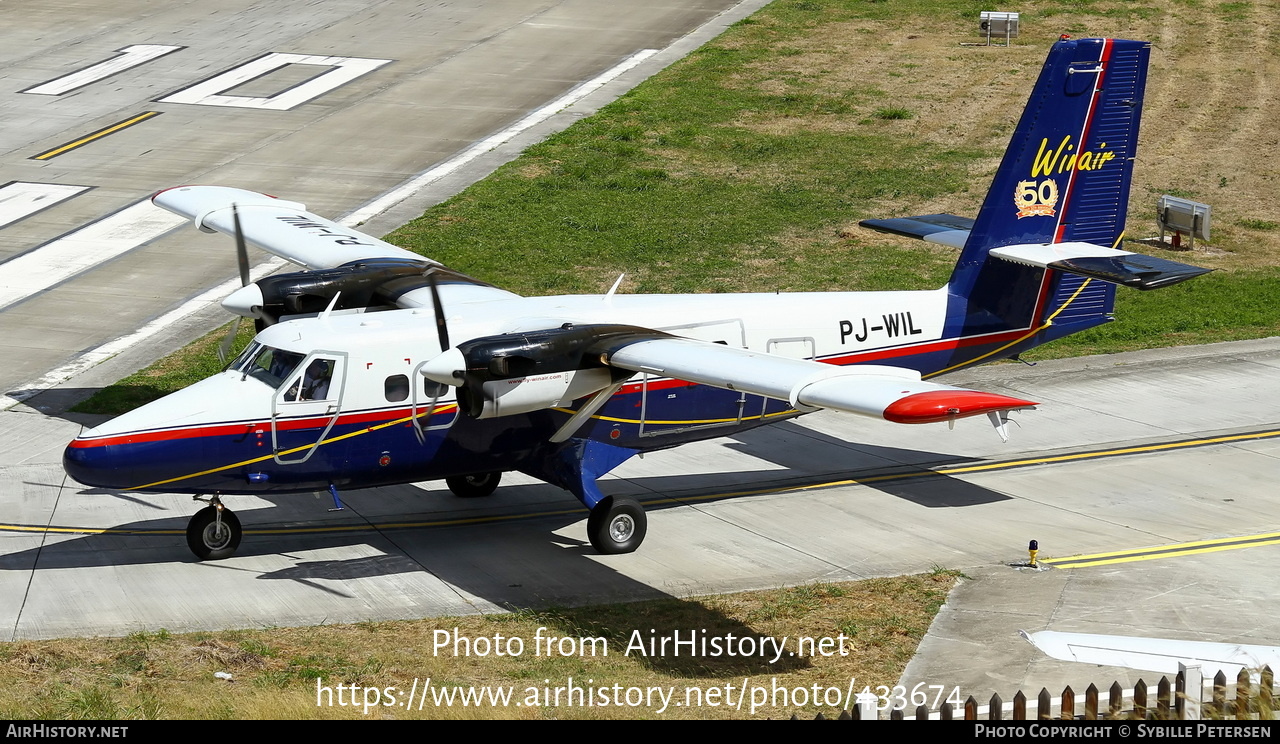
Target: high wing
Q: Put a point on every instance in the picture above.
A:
(504, 373)
(281, 227)
(360, 270)
(891, 393)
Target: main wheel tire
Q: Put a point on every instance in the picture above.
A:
(474, 486)
(617, 525)
(211, 541)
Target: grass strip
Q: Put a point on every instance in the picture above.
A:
(275, 671)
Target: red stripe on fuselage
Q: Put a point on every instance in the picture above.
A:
(251, 427)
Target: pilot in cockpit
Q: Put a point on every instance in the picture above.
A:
(315, 383)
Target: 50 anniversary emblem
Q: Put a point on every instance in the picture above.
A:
(1036, 199)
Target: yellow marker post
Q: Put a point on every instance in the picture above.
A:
(1033, 548)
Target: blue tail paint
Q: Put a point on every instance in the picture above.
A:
(1065, 177)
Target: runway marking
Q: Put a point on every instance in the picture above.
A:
(64, 149)
(62, 258)
(211, 92)
(1207, 546)
(130, 56)
(95, 356)
(21, 199)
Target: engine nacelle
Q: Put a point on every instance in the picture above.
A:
(508, 397)
(364, 284)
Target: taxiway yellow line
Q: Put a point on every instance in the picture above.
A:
(62, 149)
(1164, 551)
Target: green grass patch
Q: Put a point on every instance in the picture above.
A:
(275, 672)
(893, 112)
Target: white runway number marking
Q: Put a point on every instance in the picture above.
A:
(130, 56)
(19, 199)
(212, 92)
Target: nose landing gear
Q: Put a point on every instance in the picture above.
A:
(214, 532)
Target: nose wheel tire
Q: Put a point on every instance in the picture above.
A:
(474, 486)
(211, 538)
(617, 525)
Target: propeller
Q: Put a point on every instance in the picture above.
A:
(242, 259)
(442, 328)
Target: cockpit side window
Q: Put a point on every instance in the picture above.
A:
(267, 364)
(314, 383)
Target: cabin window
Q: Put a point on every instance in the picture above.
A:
(396, 388)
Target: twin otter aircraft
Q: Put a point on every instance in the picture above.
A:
(376, 366)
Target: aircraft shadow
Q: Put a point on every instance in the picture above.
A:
(547, 581)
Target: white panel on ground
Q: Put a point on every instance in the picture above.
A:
(100, 241)
(20, 199)
(130, 56)
(210, 92)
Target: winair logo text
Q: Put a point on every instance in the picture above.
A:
(1050, 161)
(1039, 198)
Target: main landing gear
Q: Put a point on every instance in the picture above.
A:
(617, 525)
(474, 486)
(214, 532)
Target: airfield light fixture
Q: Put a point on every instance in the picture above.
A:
(1180, 216)
(996, 23)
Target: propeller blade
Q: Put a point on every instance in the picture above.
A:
(421, 423)
(224, 348)
(442, 327)
(242, 249)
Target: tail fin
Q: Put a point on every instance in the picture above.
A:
(1042, 259)
(1064, 178)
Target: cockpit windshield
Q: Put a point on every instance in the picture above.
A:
(267, 364)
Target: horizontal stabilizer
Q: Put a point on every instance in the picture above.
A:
(891, 393)
(1107, 264)
(943, 229)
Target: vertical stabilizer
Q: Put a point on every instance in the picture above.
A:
(1065, 177)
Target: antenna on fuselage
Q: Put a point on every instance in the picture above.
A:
(332, 303)
(612, 290)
